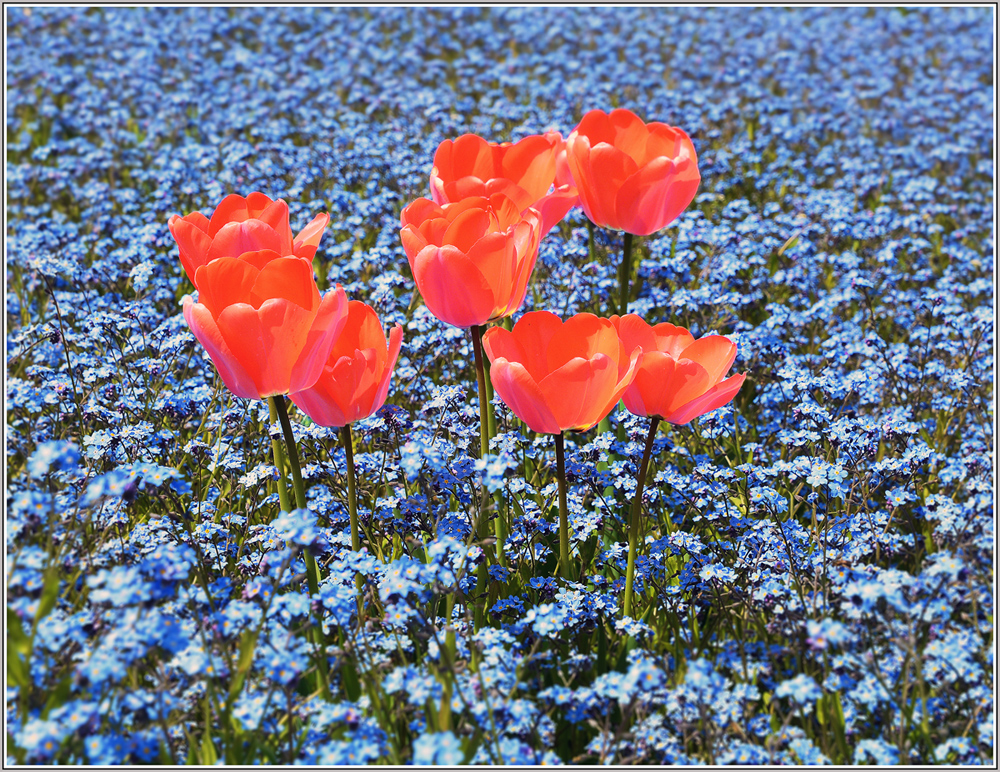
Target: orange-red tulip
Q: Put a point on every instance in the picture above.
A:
(472, 259)
(355, 380)
(241, 225)
(532, 172)
(557, 375)
(263, 323)
(631, 176)
(679, 378)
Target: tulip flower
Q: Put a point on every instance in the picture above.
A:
(679, 378)
(532, 172)
(355, 380)
(631, 176)
(262, 320)
(471, 260)
(353, 385)
(558, 376)
(240, 225)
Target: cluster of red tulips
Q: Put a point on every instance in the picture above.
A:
(471, 247)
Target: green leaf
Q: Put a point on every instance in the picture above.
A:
(60, 695)
(18, 652)
(248, 644)
(208, 754)
(50, 593)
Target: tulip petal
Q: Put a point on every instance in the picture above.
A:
(471, 155)
(627, 374)
(275, 216)
(453, 288)
(466, 229)
(583, 335)
(235, 238)
(416, 212)
(519, 197)
(328, 324)
(656, 195)
(500, 343)
(668, 384)
(554, 207)
(192, 241)
(533, 332)
(719, 395)
(266, 360)
(596, 127)
(290, 278)
(236, 378)
(521, 394)
(232, 209)
(531, 164)
(307, 240)
(672, 339)
(469, 186)
(715, 353)
(495, 257)
(630, 134)
(320, 406)
(224, 282)
(258, 259)
(413, 241)
(634, 331)
(395, 343)
(609, 168)
(577, 391)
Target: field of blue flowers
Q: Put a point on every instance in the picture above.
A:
(816, 578)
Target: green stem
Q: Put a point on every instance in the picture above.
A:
(476, 331)
(485, 409)
(293, 454)
(563, 514)
(591, 244)
(634, 526)
(490, 412)
(312, 568)
(279, 458)
(625, 275)
(352, 506)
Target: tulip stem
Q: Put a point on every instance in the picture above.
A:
(563, 514)
(279, 458)
(312, 568)
(484, 427)
(625, 275)
(633, 531)
(499, 526)
(352, 505)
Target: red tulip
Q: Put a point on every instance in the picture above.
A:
(471, 260)
(632, 176)
(355, 380)
(532, 172)
(240, 225)
(263, 323)
(557, 375)
(680, 378)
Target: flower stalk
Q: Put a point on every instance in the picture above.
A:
(352, 505)
(625, 275)
(563, 512)
(279, 458)
(312, 568)
(634, 525)
(499, 526)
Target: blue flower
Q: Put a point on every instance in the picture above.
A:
(439, 748)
